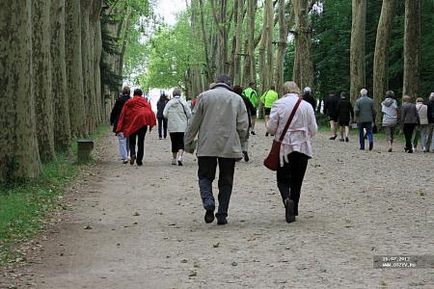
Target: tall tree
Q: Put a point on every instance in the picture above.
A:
(42, 78)
(411, 48)
(384, 32)
(266, 47)
(62, 125)
(74, 69)
(357, 49)
(237, 39)
(222, 22)
(249, 74)
(282, 45)
(19, 154)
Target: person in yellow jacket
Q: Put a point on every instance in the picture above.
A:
(268, 98)
(251, 94)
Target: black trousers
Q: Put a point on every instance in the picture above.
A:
(206, 174)
(177, 139)
(408, 133)
(290, 177)
(138, 138)
(162, 127)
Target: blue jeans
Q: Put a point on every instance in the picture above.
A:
(368, 127)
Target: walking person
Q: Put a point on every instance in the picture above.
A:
(431, 119)
(330, 109)
(389, 108)
(307, 96)
(365, 115)
(345, 114)
(252, 95)
(177, 112)
(114, 118)
(422, 130)
(268, 98)
(221, 123)
(409, 120)
(135, 118)
(250, 109)
(296, 148)
(162, 121)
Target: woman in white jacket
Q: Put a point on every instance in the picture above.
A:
(177, 112)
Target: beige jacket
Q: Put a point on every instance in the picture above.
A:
(220, 120)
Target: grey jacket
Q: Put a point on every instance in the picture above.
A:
(364, 109)
(220, 119)
(389, 108)
(177, 112)
(409, 113)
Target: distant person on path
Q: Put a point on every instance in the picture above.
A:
(135, 118)
(250, 109)
(365, 114)
(345, 115)
(177, 113)
(268, 98)
(221, 123)
(307, 96)
(162, 121)
(331, 109)
(252, 95)
(114, 118)
(296, 147)
(409, 120)
(431, 119)
(422, 131)
(389, 108)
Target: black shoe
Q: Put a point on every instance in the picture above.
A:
(341, 140)
(289, 211)
(333, 137)
(389, 150)
(139, 163)
(246, 156)
(209, 216)
(253, 132)
(221, 221)
(266, 134)
(132, 159)
(371, 146)
(347, 139)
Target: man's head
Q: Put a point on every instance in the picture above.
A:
(126, 90)
(176, 91)
(307, 89)
(431, 97)
(224, 78)
(363, 92)
(291, 87)
(138, 92)
(343, 95)
(238, 89)
(390, 94)
(406, 98)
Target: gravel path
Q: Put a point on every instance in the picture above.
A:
(142, 227)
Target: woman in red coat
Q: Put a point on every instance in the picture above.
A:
(135, 118)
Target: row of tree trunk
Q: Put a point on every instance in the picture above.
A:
(50, 71)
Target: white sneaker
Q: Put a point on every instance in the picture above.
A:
(180, 161)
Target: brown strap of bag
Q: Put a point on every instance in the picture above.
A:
(294, 110)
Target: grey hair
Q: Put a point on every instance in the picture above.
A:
(176, 91)
(364, 92)
(431, 97)
(224, 78)
(291, 87)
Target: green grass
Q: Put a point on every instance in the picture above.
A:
(24, 206)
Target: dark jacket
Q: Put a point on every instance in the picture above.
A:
(409, 113)
(309, 98)
(331, 105)
(117, 109)
(345, 111)
(364, 109)
(250, 109)
(161, 104)
(431, 111)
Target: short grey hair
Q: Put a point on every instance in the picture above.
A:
(224, 78)
(176, 91)
(364, 92)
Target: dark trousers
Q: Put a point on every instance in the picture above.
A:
(138, 138)
(206, 174)
(162, 127)
(408, 133)
(368, 127)
(290, 177)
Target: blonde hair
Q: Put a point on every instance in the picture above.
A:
(406, 98)
(291, 87)
(419, 99)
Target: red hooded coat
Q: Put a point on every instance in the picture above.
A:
(135, 114)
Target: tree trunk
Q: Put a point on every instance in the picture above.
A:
(412, 48)
(281, 48)
(220, 20)
(357, 49)
(264, 53)
(62, 130)
(74, 69)
(96, 49)
(19, 154)
(42, 78)
(206, 45)
(380, 73)
(235, 70)
(249, 74)
(303, 66)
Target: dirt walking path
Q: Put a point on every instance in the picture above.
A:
(142, 227)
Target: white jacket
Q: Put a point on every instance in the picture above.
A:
(422, 111)
(177, 112)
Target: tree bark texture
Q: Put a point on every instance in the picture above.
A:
(357, 49)
(303, 66)
(412, 48)
(62, 125)
(220, 19)
(281, 47)
(265, 55)
(42, 84)
(382, 44)
(74, 69)
(19, 154)
(249, 74)
(235, 70)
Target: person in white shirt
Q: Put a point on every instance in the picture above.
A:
(296, 148)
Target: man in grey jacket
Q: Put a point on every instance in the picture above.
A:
(365, 114)
(220, 119)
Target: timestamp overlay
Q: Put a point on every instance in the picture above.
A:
(403, 261)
